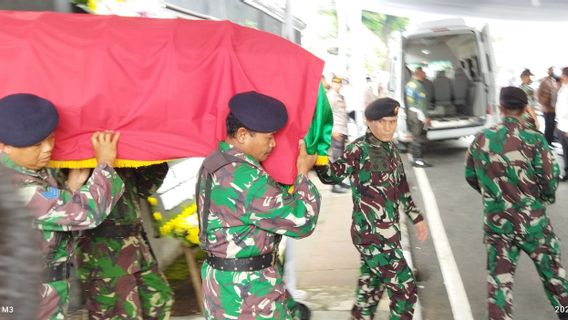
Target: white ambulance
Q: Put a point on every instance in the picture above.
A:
(460, 86)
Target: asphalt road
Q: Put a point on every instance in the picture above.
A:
(461, 213)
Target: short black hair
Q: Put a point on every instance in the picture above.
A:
(233, 125)
(565, 71)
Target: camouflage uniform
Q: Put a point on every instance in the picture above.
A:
(249, 212)
(527, 117)
(116, 266)
(58, 214)
(515, 172)
(416, 112)
(379, 191)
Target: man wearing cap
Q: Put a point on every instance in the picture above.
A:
(512, 168)
(379, 190)
(530, 116)
(27, 123)
(417, 116)
(244, 213)
(339, 130)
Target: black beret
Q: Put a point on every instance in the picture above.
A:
(26, 119)
(513, 98)
(258, 112)
(380, 108)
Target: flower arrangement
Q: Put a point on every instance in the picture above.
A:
(181, 222)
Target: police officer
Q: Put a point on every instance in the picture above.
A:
(27, 123)
(512, 167)
(379, 190)
(339, 129)
(417, 102)
(244, 212)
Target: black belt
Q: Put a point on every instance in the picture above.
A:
(56, 273)
(243, 264)
(115, 231)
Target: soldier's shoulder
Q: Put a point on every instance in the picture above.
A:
(357, 143)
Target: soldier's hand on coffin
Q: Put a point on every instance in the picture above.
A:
(105, 145)
(305, 162)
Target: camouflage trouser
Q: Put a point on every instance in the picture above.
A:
(368, 293)
(502, 257)
(142, 295)
(384, 269)
(54, 300)
(253, 295)
(416, 128)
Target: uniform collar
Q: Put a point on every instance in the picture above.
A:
(8, 163)
(232, 150)
(513, 120)
(373, 141)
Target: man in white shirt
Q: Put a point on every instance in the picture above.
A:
(562, 120)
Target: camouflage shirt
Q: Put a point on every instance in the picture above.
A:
(248, 209)
(379, 189)
(529, 91)
(58, 212)
(516, 174)
(99, 255)
(416, 98)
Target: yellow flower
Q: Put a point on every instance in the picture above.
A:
(193, 236)
(152, 201)
(92, 5)
(166, 229)
(157, 216)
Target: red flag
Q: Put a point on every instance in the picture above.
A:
(163, 83)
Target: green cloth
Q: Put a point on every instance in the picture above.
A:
(318, 138)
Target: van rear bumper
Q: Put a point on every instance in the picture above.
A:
(454, 133)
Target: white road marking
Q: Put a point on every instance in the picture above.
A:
(459, 302)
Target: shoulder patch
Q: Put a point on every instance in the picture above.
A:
(50, 193)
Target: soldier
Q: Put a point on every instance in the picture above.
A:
(417, 116)
(244, 213)
(379, 190)
(116, 265)
(529, 116)
(512, 167)
(27, 123)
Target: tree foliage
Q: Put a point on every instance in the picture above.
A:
(383, 24)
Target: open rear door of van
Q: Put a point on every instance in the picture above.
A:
(489, 76)
(396, 81)
(398, 78)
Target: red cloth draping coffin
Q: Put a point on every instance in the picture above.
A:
(163, 83)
